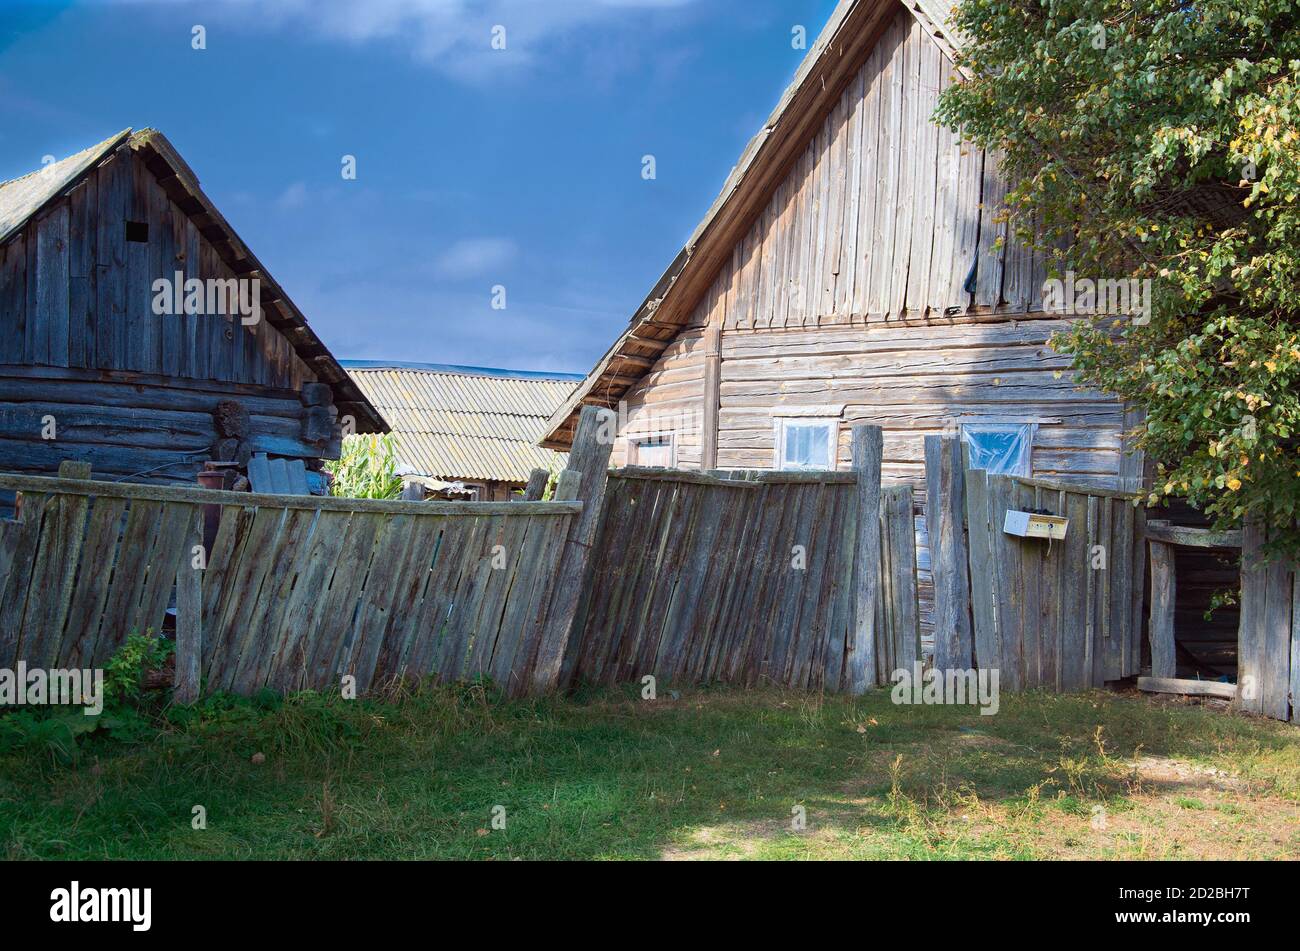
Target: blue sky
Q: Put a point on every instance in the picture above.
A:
(475, 167)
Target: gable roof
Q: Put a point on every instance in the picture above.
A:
(852, 31)
(457, 422)
(23, 198)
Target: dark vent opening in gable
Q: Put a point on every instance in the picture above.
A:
(137, 231)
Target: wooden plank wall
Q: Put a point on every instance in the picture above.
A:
(1268, 661)
(884, 215)
(848, 294)
(296, 593)
(75, 293)
(1062, 616)
(738, 577)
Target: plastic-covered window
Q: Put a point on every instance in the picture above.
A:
(1002, 449)
(807, 444)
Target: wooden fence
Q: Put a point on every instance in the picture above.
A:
(802, 579)
(805, 579)
(1059, 614)
(297, 592)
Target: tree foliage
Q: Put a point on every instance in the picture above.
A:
(1158, 140)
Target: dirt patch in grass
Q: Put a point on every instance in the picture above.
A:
(1175, 775)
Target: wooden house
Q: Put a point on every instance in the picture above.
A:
(138, 332)
(855, 268)
(466, 431)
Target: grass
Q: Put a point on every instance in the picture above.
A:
(717, 773)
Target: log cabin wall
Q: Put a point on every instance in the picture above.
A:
(855, 294)
(131, 391)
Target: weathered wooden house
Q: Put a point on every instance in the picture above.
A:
(466, 431)
(855, 268)
(140, 334)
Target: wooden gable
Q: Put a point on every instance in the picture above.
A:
(77, 288)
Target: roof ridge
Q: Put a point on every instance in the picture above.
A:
(453, 369)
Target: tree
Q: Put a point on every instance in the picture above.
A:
(1157, 141)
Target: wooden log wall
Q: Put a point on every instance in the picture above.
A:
(740, 577)
(76, 293)
(1062, 616)
(150, 428)
(1268, 661)
(298, 591)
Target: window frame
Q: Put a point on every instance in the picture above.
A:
(634, 444)
(782, 424)
(1005, 426)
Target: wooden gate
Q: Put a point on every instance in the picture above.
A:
(1059, 614)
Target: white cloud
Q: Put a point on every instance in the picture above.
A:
(474, 257)
(453, 36)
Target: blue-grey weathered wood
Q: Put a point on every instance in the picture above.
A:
(1254, 596)
(1276, 674)
(536, 486)
(945, 517)
(176, 493)
(987, 653)
(868, 451)
(1295, 645)
(189, 617)
(1163, 598)
(589, 457)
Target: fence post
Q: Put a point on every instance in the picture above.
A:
(189, 617)
(589, 460)
(536, 487)
(868, 449)
(1163, 597)
(949, 563)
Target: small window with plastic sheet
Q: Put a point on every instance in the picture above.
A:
(999, 448)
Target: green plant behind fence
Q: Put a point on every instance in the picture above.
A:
(367, 468)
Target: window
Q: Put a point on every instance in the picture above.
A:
(806, 443)
(1000, 449)
(137, 232)
(657, 451)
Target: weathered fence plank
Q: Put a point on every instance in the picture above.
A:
(1163, 599)
(536, 486)
(189, 617)
(589, 457)
(945, 516)
(1266, 649)
(1250, 637)
(979, 550)
(900, 545)
(868, 452)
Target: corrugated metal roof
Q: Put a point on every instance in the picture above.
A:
(460, 423)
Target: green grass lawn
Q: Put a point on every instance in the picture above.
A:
(717, 773)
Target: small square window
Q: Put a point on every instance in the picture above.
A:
(806, 443)
(999, 449)
(137, 232)
(657, 451)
